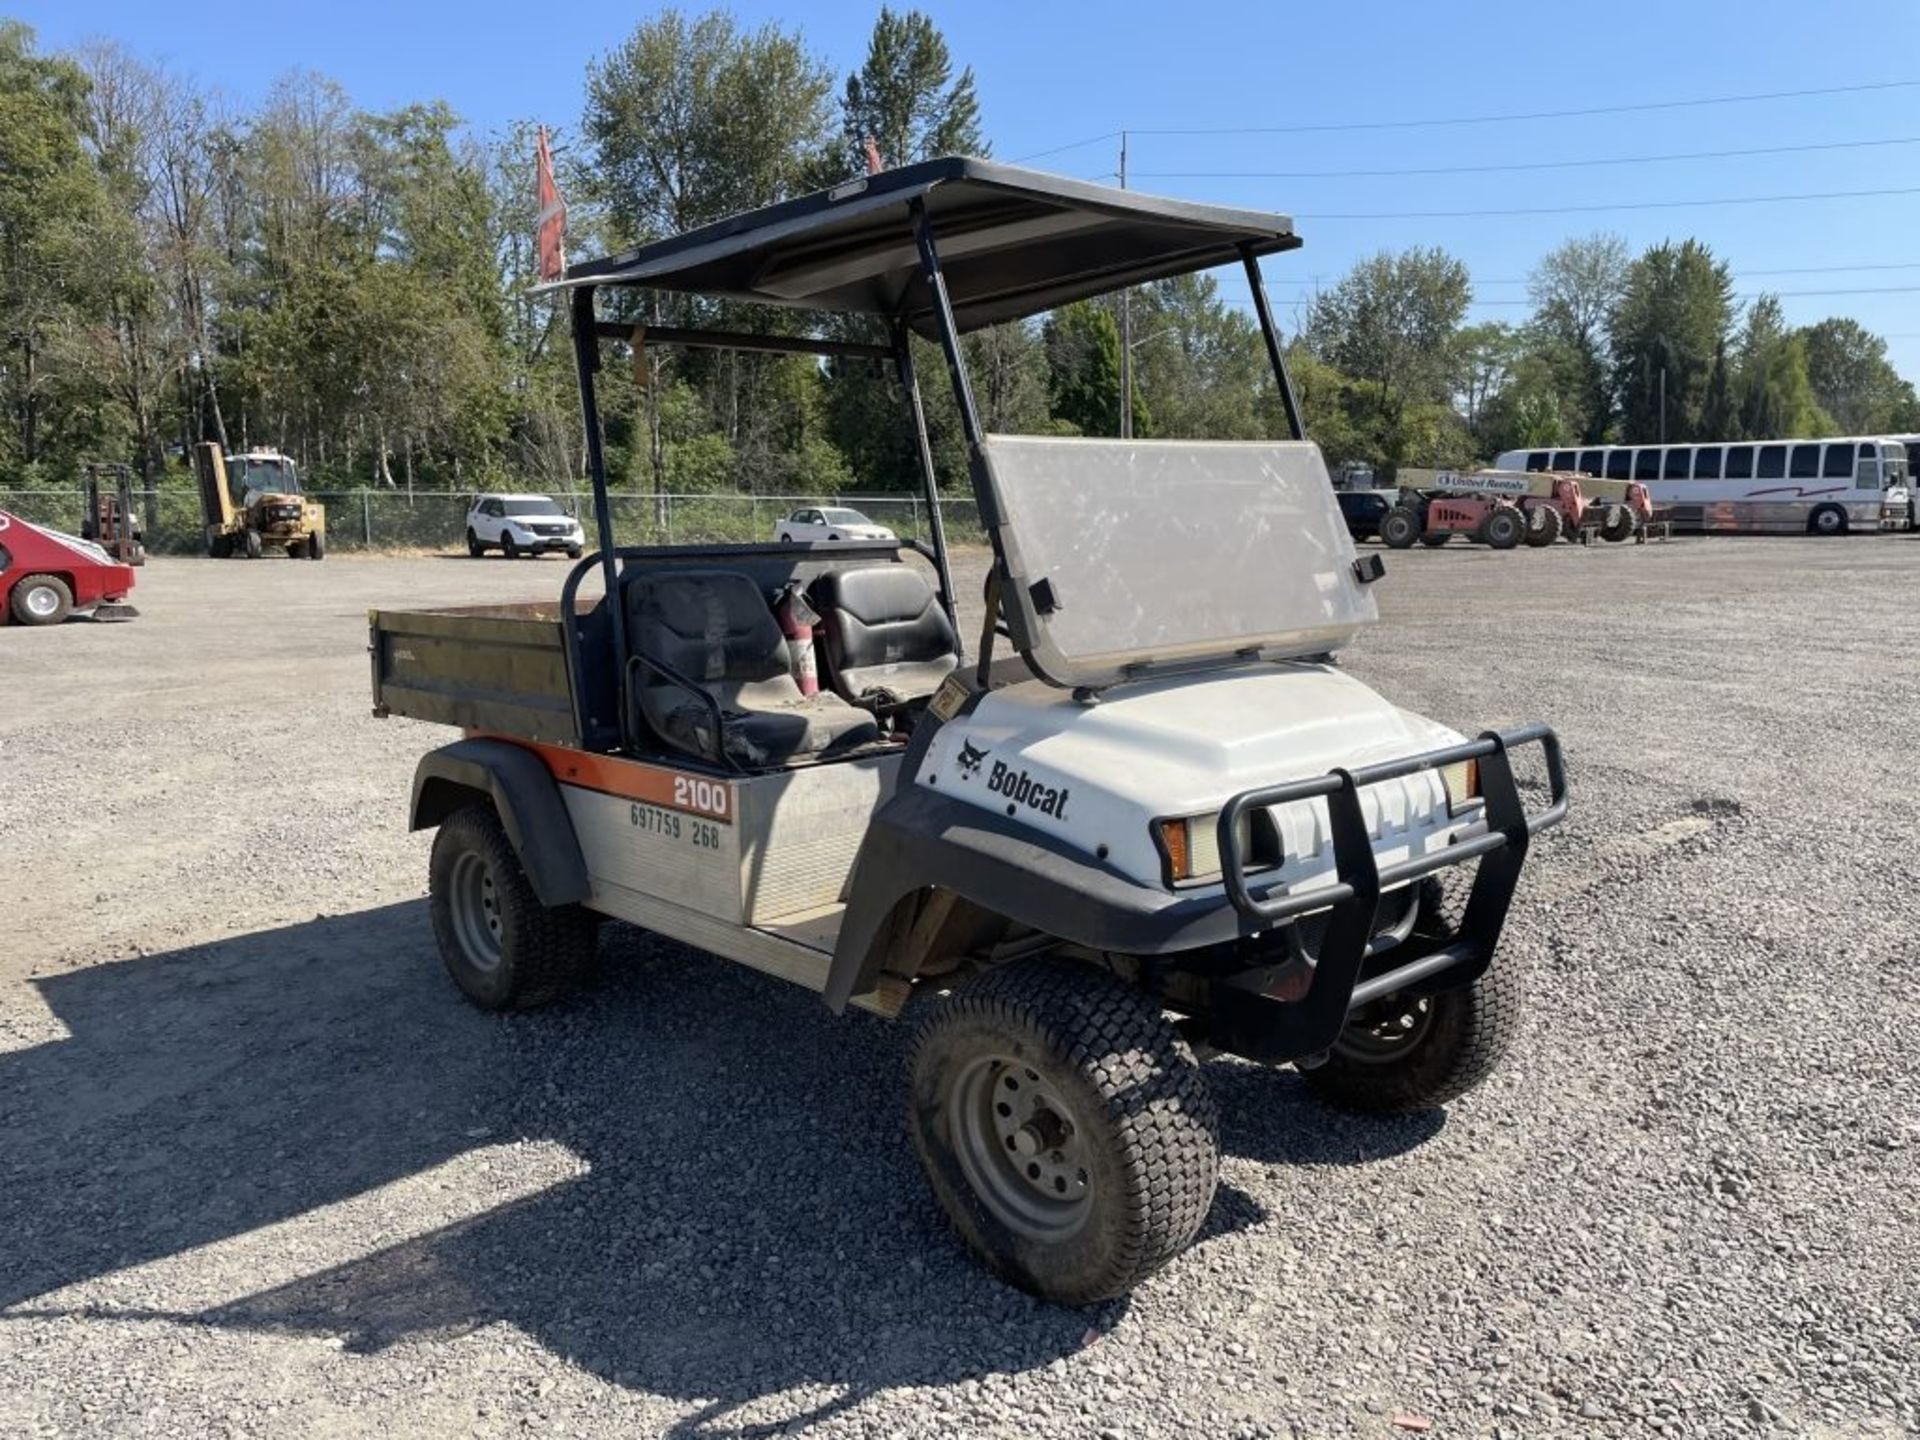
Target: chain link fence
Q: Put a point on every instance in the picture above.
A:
(437, 520)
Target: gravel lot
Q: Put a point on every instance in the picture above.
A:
(263, 1173)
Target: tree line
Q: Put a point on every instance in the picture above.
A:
(354, 288)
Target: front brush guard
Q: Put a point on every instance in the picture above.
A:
(1249, 1012)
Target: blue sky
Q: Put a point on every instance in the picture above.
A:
(1050, 75)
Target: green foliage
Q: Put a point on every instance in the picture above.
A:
(694, 120)
(1200, 367)
(1672, 312)
(1082, 343)
(1575, 289)
(355, 288)
(1851, 380)
(906, 98)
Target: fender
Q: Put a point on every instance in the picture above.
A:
(920, 839)
(527, 800)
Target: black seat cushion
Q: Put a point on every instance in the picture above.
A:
(885, 636)
(715, 628)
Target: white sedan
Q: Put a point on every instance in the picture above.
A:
(808, 526)
(519, 525)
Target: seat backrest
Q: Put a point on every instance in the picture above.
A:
(883, 629)
(716, 629)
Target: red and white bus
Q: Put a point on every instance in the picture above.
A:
(1818, 487)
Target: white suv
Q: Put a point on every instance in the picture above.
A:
(519, 525)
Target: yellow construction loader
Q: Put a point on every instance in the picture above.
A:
(252, 501)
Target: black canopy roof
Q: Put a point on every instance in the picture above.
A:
(1012, 242)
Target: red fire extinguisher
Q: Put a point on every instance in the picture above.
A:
(797, 619)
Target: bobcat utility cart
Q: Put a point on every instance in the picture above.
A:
(1138, 825)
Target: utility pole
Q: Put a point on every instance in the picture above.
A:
(1126, 329)
(1663, 399)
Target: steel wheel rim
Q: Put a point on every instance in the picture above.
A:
(1020, 1148)
(1386, 1031)
(42, 602)
(475, 907)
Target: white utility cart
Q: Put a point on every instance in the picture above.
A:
(1157, 824)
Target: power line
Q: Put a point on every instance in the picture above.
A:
(1234, 277)
(1307, 295)
(1596, 209)
(1533, 114)
(1072, 145)
(1526, 165)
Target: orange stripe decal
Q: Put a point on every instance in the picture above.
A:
(635, 780)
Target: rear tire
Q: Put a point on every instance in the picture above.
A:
(1544, 525)
(1619, 524)
(1407, 1053)
(1827, 520)
(1505, 528)
(474, 547)
(41, 600)
(503, 948)
(1064, 1127)
(1399, 528)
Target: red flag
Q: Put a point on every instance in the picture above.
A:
(551, 228)
(874, 163)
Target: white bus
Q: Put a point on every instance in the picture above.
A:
(1819, 487)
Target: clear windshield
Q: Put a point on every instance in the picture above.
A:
(543, 507)
(1126, 553)
(845, 517)
(1893, 464)
(274, 474)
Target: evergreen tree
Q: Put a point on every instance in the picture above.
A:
(906, 99)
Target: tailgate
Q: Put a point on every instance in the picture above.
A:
(500, 668)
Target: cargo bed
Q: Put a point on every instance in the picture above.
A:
(503, 669)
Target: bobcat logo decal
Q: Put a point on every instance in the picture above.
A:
(971, 758)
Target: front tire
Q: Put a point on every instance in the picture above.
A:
(1399, 529)
(317, 545)
(1505, 528)
(1619, 524)
(252, 545)
(1064, 1127)
(1407, 1053)
(1544, 524)
(503, 948)
(41, 600)
(1827, 520)
(509, 547)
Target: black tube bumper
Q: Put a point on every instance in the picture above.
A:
(1262, 1013)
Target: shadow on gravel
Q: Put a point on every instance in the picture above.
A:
(748, 1219)
(1271, 1117)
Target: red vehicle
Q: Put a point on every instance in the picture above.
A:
(46, 576)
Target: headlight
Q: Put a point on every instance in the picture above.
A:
(1462, 779)
(1190, 846)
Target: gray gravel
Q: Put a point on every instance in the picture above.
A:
(262, 1173)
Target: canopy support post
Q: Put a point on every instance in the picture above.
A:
(586, 358)
(910, 384)
(969, 417)
(1288, 401)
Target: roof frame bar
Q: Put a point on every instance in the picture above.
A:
(702, 339)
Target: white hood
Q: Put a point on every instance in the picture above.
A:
(1185, 746)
